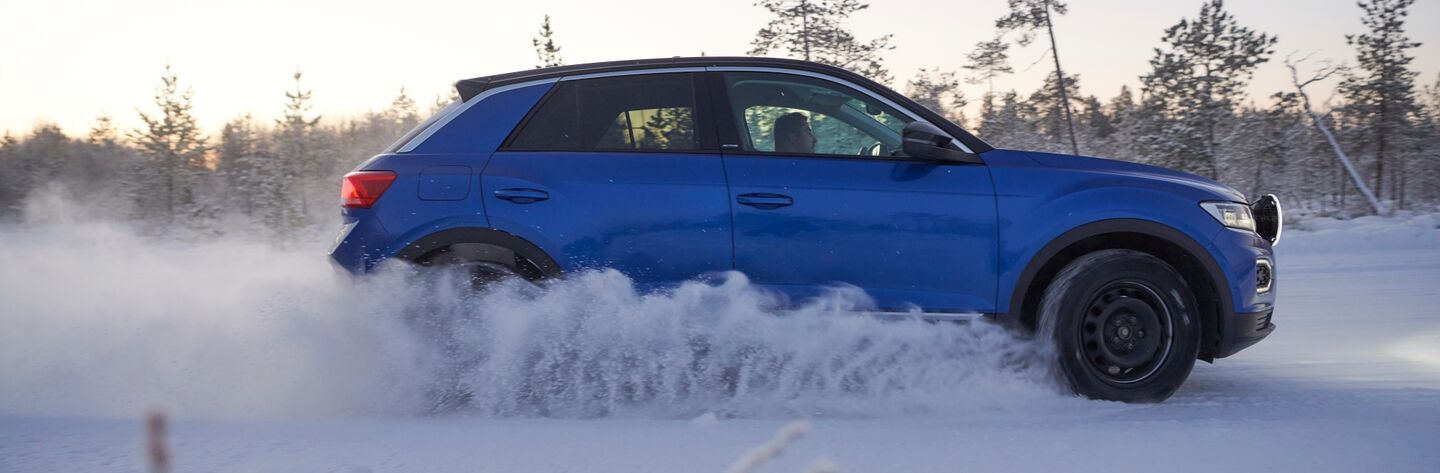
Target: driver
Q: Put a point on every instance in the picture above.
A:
(793, 135)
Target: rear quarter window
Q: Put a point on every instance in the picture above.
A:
(645, 112)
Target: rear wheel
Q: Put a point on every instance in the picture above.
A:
(1123, 324)
(480, 273)
(449, 392)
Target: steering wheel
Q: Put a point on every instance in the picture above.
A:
(872, 150)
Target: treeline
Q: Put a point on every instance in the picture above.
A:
(1190, 112)
(272, 178)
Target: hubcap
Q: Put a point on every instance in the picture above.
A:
(1126, 332)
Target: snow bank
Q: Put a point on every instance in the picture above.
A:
(1401, 232)
(101, 322)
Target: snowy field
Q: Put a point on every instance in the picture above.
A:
(267, 361)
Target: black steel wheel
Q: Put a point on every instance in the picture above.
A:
(1123, 326)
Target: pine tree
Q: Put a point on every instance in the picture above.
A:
(1380, 95)
(1027, 17)
(403, 114)
(298, 158)
(1008, 123)
(939, 92)
(251, 179)
(165, 185)
(989, 59)
(1050, 104)
(545, 48)
(1428, 161)
(10, 193)
(1193, 86)
(812, 30)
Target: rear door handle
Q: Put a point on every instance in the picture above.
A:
(522, 196)
(764, 201)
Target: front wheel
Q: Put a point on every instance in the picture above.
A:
(1124, 326)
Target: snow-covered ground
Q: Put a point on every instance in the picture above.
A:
(268, 362)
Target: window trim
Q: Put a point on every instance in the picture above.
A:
(913, 115)
(705, 136)
(728, 130)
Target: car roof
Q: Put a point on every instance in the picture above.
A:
(469, 88)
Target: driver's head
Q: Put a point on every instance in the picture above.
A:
(793, 135)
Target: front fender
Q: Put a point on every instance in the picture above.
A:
(1037, 205)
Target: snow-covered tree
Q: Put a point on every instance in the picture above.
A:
(166, 184)
(298, 157)
(1380, 96)
(1051, 105)
(814, 30)
(252, 180)
(1196, 78)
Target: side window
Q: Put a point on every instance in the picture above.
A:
(789, 114)
(623, 113)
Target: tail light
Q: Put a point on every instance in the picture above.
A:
(361, 189)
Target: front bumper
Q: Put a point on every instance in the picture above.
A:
(1244, 329)
(1247, 319)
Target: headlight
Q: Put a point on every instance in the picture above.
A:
(1231, 214)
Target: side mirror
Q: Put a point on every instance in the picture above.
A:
(925, 141)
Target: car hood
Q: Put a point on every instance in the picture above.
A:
(1113, 166)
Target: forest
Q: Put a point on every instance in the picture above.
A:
(1370, 144)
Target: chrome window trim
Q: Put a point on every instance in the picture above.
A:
(457, 111)
(846, 83)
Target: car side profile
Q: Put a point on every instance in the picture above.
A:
(802, 176)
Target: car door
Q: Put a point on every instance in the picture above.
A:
(850, 207)
(617, 172)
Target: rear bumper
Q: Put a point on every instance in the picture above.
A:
(360, 244)
(1244, 329)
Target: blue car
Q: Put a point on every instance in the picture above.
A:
(802, 176)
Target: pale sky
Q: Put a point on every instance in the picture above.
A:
(69, 61)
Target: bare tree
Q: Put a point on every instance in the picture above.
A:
(1324, 72)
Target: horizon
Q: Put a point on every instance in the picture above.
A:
(424, 62)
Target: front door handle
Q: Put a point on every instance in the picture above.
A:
(765, 201)
(522, 196)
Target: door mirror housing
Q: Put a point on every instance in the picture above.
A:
(925, 141)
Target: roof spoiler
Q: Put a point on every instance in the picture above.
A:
(469, 88)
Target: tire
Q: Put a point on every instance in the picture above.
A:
(481, 274)
(449, 392)
(1123, 324)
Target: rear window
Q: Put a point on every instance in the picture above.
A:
(448, 109)
(644, 112)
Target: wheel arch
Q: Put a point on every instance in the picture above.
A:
(483, 244)
(1194, 263)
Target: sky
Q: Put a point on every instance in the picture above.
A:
(69, 61)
